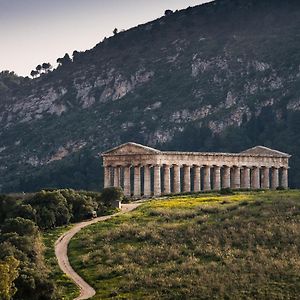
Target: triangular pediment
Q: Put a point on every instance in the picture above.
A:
(261, 150)
(131, 148)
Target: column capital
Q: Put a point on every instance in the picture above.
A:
(187, 165)
(146, 165)
(157, 166)
(255, 167)
(197, 166)
(106, 165)
(127, 165)
(137, 166)
(246, 167)
(275, 168)
(177, 165)
(207, 166)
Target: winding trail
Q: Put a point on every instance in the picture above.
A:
(61, 251)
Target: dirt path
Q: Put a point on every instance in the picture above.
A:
(61, 252)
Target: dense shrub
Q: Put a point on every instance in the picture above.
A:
(81, 204)
(226, 191)
(51, 209)
(111, 194)
(20, 221)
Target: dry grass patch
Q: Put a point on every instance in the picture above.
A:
(243, 246)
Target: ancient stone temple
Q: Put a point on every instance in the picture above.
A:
(144, 171)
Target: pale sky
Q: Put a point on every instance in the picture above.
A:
(37, 31)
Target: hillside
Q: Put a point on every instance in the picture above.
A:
(223, 76)
(242, 246)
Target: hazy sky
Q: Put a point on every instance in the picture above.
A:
(37, 31)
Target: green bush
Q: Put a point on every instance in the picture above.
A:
(280, 188)
(227, 191)
(111, 194)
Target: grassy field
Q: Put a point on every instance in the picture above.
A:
(66, 288)
(241, 246)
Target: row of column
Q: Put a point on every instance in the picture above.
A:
(205, 178)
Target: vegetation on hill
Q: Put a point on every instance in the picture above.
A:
(240, 246)
(65, 287)
(22, 220)
(223, 76)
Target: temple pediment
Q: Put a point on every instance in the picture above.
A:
(261, 150)
(131, 148)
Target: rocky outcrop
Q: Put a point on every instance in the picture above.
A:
(192, 79)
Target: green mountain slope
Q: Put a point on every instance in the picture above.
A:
(223, 76)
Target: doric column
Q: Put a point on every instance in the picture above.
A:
(157, 180)
(275, 178)
(117, 176)
(236, 184)
(255, 185)
(137, 182)
(246, 178)
(285, 178)
(206, 179)
(176, 179)
(127, 184)
(107, 182)
(186, 179)
(226, 177)
(197, 179)
(217, 178)
(167, 182)
(265, 178)
(147, 181)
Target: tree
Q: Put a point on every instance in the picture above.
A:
(34, 73)
(25, 211)
(82, 205)
(51, 209)
(7, 206)
(46, 67)
(8, 274)
(38, 68)
(168, 12)
(111, 194)
(115, 31)
(22, 227)
(75, 55)
(64, 60)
